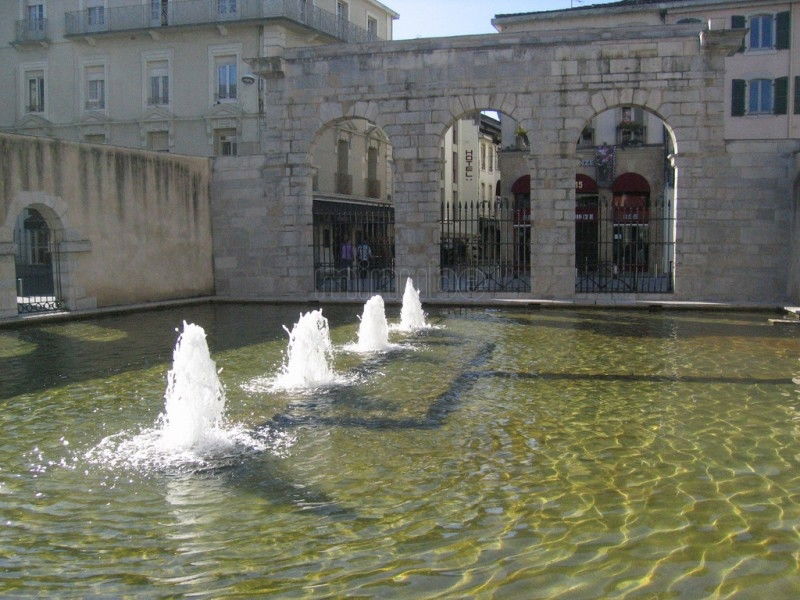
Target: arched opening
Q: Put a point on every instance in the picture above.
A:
(36, 262)
(353, 214)
(624, 204)
(485, 236)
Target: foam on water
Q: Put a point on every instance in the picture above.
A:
(412, 317)
(308, 362)
(373, 331)
(192, 431)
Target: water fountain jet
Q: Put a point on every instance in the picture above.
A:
(412, 317)
(373, 331)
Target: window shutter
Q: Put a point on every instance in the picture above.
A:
(781, 93)
(797, 95)
(738, 87)
(739, 22)
(782, 29)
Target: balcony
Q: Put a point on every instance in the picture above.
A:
(344, 184)
(373, 187)
(180, 13)
(32, 31)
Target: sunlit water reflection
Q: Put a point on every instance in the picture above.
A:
(547, 454)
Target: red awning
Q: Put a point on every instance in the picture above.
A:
(522, 185)
(630, 183)
(585, 184)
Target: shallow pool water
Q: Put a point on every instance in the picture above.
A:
(505, 454)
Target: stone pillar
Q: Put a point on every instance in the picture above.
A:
(8, 281)
(552, 222)
(417, 211)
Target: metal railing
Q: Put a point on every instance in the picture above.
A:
(344, 184)
(485, 247)
(627, 246)
(373, 188)
(31, 31)
(201, 12)
(353, 247)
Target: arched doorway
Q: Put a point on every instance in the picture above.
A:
(36, 262)
(587, 221)
(624, 204)
(353, 212)
(631, 218)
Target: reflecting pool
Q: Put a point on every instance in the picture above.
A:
(508, 454)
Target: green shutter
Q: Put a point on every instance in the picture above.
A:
(797, 95)
(783, 30)
(739, 22)
(781, 94)
(738, 87)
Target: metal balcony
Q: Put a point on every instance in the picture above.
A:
(32, 31)
(180, 13)
(344, 184)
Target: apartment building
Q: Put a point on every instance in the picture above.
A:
(762, 80)
(166, 75)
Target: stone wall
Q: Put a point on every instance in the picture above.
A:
(132, 226)
(733, 234)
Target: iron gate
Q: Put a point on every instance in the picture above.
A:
(485, 246)
(37, 265)
(353, 247)
(624, 244)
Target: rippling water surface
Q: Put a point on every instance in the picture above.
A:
(505, 454)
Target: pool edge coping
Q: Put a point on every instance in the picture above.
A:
(529, 303)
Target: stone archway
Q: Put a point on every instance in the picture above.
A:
(36, 255)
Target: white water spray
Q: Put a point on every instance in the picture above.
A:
(373, 332)
(194, 399)
(412, 318)
(309, 355)
(192, 432)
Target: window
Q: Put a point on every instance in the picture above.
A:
(759, 96)
(372, 27)
(342, 11)
(34, 101)
(483, 157)
(34, 16)
(95, 88)
(455, 167)
(226, 8)
(455, 133)
(159, 12)
(762, 32)
(96, 13)
(491, 159)
(225, 67)
(158, 141)
(158, 81)
(225, 142)
(95, 138)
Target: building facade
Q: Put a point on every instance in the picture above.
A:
(165, 75)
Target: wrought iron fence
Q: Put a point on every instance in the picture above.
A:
(485, 246)
(31, 30)
(353, 247)
(625, 244)
(197, 12)
(39, 284)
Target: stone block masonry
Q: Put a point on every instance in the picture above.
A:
(731, 204)
(130, 226)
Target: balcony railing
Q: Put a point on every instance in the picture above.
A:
(344, 183)
(373, 188)
(32, 31)
(209, 12)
